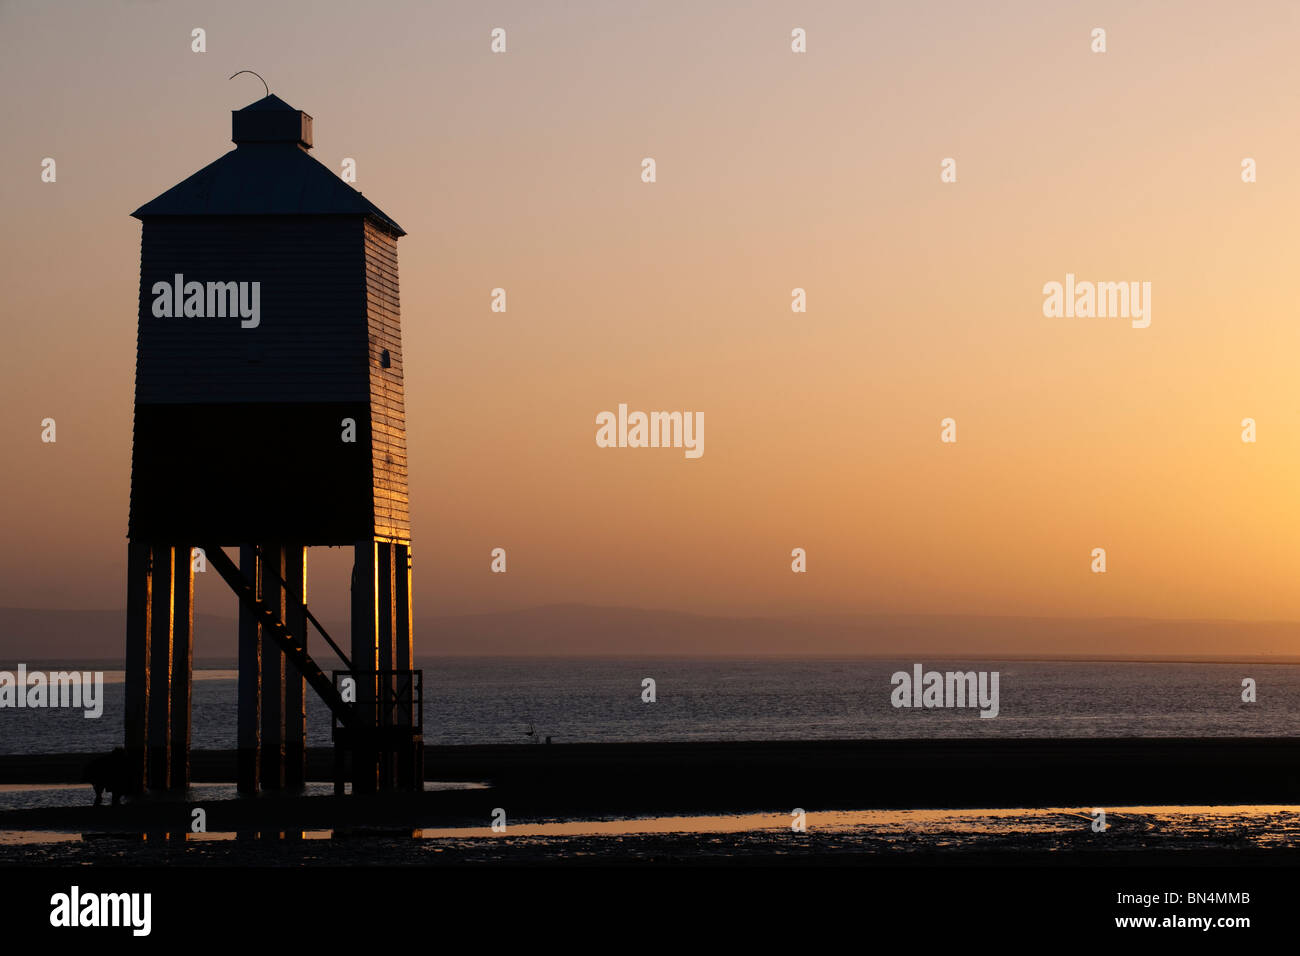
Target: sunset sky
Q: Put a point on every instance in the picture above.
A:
(775, 170)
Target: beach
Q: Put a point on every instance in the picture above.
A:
(1221, 801)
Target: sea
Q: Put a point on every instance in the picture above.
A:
(518, 701)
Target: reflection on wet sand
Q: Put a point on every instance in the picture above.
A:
(1049, 828)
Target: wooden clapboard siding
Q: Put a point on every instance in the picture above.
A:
(387, 401)
(310, 343)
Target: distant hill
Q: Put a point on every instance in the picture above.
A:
(581, 630)
(32, 635)
(39, 634)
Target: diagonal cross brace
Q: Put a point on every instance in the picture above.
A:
(292, 646)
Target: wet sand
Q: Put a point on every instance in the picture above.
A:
(1160, 836)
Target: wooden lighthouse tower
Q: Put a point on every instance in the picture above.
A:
(269, 417)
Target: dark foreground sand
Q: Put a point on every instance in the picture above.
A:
(1130, 842)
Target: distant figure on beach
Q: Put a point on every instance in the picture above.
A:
(107, 773)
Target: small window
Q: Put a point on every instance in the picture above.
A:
(385, 360)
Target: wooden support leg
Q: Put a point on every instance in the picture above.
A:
(365, 659)
(295, 713)
(273, 664)
(403, 657)
(384, 613)
(403, 648)
(250, 680)
(160, 677)
(182, 665)
(139, 605)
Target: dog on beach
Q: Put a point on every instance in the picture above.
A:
(107, 773)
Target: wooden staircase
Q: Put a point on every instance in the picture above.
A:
(293, 645)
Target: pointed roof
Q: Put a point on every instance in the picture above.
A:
(269, 102)
(268, 173)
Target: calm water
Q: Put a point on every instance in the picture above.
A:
(481, 701)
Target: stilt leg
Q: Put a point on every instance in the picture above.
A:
(139, 605)
(250, 680)
(273, 663)
(182, 665)
(365, 657)
(295, 714)
(160, 677)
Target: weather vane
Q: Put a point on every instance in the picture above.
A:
(258, 75)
